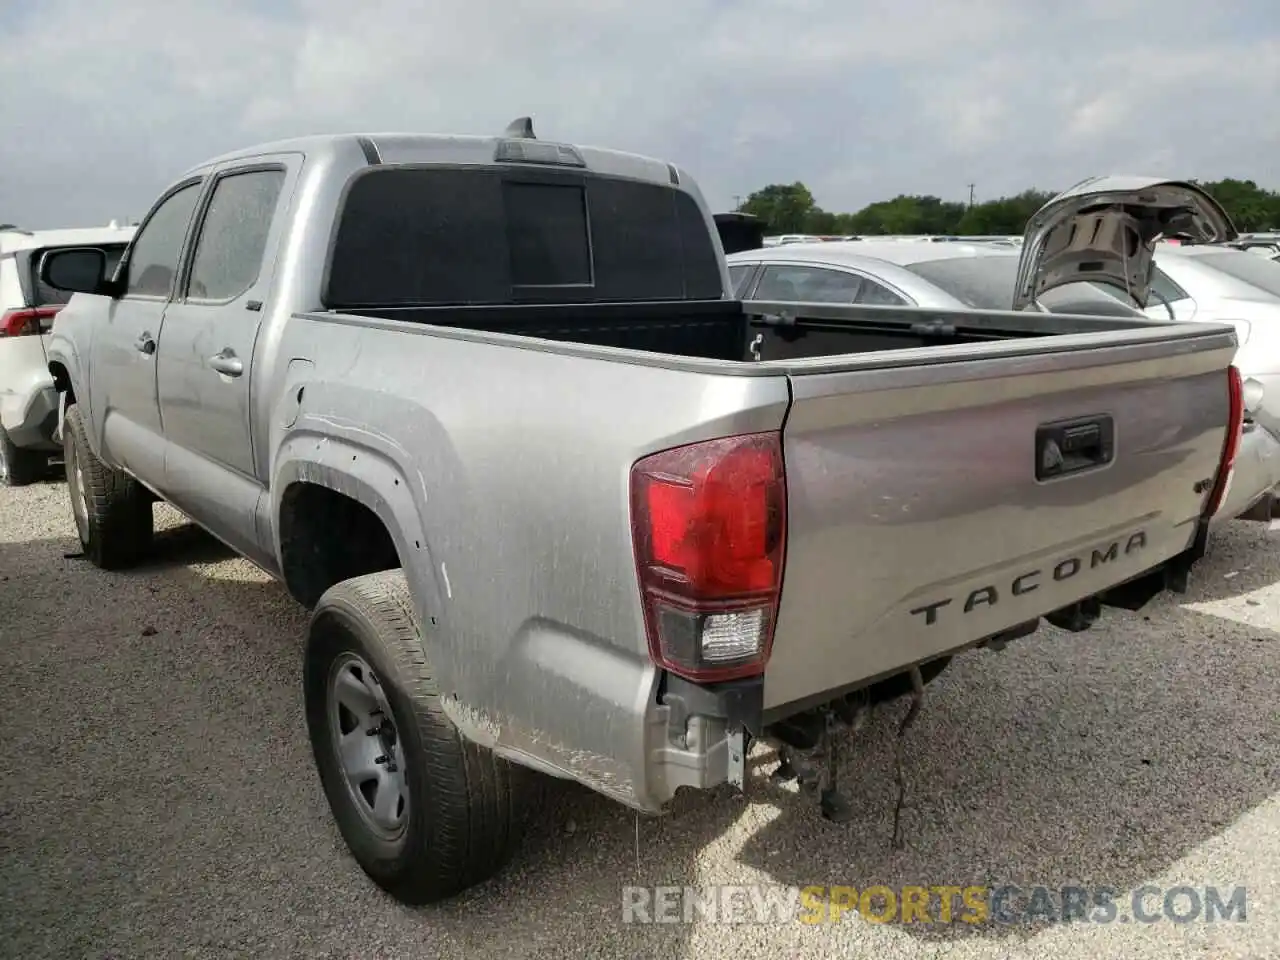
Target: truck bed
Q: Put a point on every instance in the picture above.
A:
(728, 329)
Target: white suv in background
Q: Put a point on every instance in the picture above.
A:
(28, 402)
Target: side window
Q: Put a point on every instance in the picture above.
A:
(739, 274)
(1162, 288)
(878, 295)
(233, 236)
(153, 258)
(807, 285)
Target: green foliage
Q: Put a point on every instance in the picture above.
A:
(787, 208)
(1251, 207)
(790, 208)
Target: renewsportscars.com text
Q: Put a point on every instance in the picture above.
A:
(937, 903)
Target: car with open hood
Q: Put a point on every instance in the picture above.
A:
(1093, 250)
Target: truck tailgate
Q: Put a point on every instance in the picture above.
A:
(916, 519)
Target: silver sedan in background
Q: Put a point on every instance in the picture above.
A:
(946, 276)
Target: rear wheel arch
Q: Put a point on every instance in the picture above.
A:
(66, 389)
(327, 536)
(319, 468)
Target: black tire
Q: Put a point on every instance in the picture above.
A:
(463, 819)
(19, 467)
(111, 509)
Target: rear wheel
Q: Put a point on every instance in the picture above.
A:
(19, 467)
(424, 812)
(111, 509)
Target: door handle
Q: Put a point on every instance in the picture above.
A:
(145, 344)
(1070, 446)
(227, 363)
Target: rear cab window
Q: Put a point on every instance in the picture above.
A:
(411, 235)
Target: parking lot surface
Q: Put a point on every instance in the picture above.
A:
(158, 798)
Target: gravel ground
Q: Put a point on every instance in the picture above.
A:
(157, 796)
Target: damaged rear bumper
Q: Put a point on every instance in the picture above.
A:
(616, 724)
(700, 735)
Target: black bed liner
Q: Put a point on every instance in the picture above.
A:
(732, 330)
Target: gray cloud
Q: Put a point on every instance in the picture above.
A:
(859, 99)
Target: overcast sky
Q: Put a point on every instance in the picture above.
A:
(102, 105)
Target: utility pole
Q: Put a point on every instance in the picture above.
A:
(971, 195)
(737, 201)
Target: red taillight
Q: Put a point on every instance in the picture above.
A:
(1235, 427)
(26, 321)
(709, 525)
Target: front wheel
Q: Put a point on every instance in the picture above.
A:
(111, 509)
(424, 812)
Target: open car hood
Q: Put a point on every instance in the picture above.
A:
(1104, 230)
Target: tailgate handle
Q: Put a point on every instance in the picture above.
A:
(1071, 446)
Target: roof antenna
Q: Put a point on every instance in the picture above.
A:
(521, 128)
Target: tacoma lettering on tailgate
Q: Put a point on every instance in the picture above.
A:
(1024, 583)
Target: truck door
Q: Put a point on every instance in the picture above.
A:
(122, 371)
(207, 348)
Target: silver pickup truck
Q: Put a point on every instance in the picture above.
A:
(559, 503)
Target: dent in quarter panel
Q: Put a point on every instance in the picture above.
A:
(610, 688)
(293, 392)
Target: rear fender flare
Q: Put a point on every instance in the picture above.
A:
(373, 480)
(70, 373)
(65, 382)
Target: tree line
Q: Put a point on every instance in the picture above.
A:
(790, 208)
